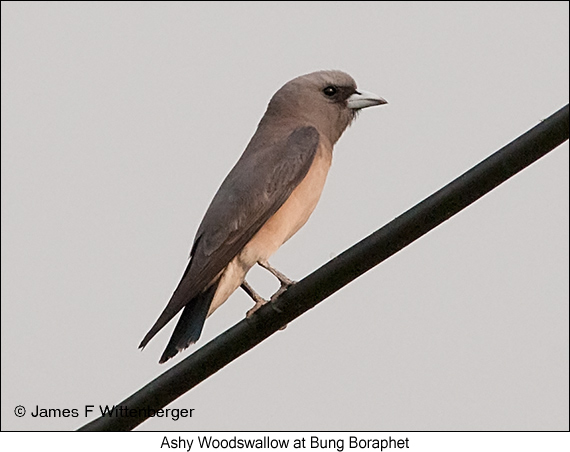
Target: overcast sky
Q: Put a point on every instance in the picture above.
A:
(119, 122)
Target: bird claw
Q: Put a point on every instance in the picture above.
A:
(282, 289)
(258, 304)
(259, 301)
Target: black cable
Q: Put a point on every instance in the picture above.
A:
(338, 272)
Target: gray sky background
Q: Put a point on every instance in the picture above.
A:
(119, 122)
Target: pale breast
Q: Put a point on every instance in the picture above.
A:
(293, 214)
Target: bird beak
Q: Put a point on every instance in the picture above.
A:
(363, 99)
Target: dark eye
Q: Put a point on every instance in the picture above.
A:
(330, 91)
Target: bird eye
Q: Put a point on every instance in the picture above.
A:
(330, 91)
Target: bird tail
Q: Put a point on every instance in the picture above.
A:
(190, 324)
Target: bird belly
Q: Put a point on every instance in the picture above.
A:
(293, 214)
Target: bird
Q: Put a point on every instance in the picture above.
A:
(264, 200)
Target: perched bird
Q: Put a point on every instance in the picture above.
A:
(267, 196)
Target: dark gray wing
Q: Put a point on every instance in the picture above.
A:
(261, 181)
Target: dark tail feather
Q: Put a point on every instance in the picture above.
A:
(189, 326)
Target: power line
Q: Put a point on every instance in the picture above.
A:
(341, 270)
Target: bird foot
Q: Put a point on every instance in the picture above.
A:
(258, 304)
(282, 289)
(260, 301)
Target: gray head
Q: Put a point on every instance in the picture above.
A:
(327, 100)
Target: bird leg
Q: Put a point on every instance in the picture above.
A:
(258, 299)
(285, 282)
